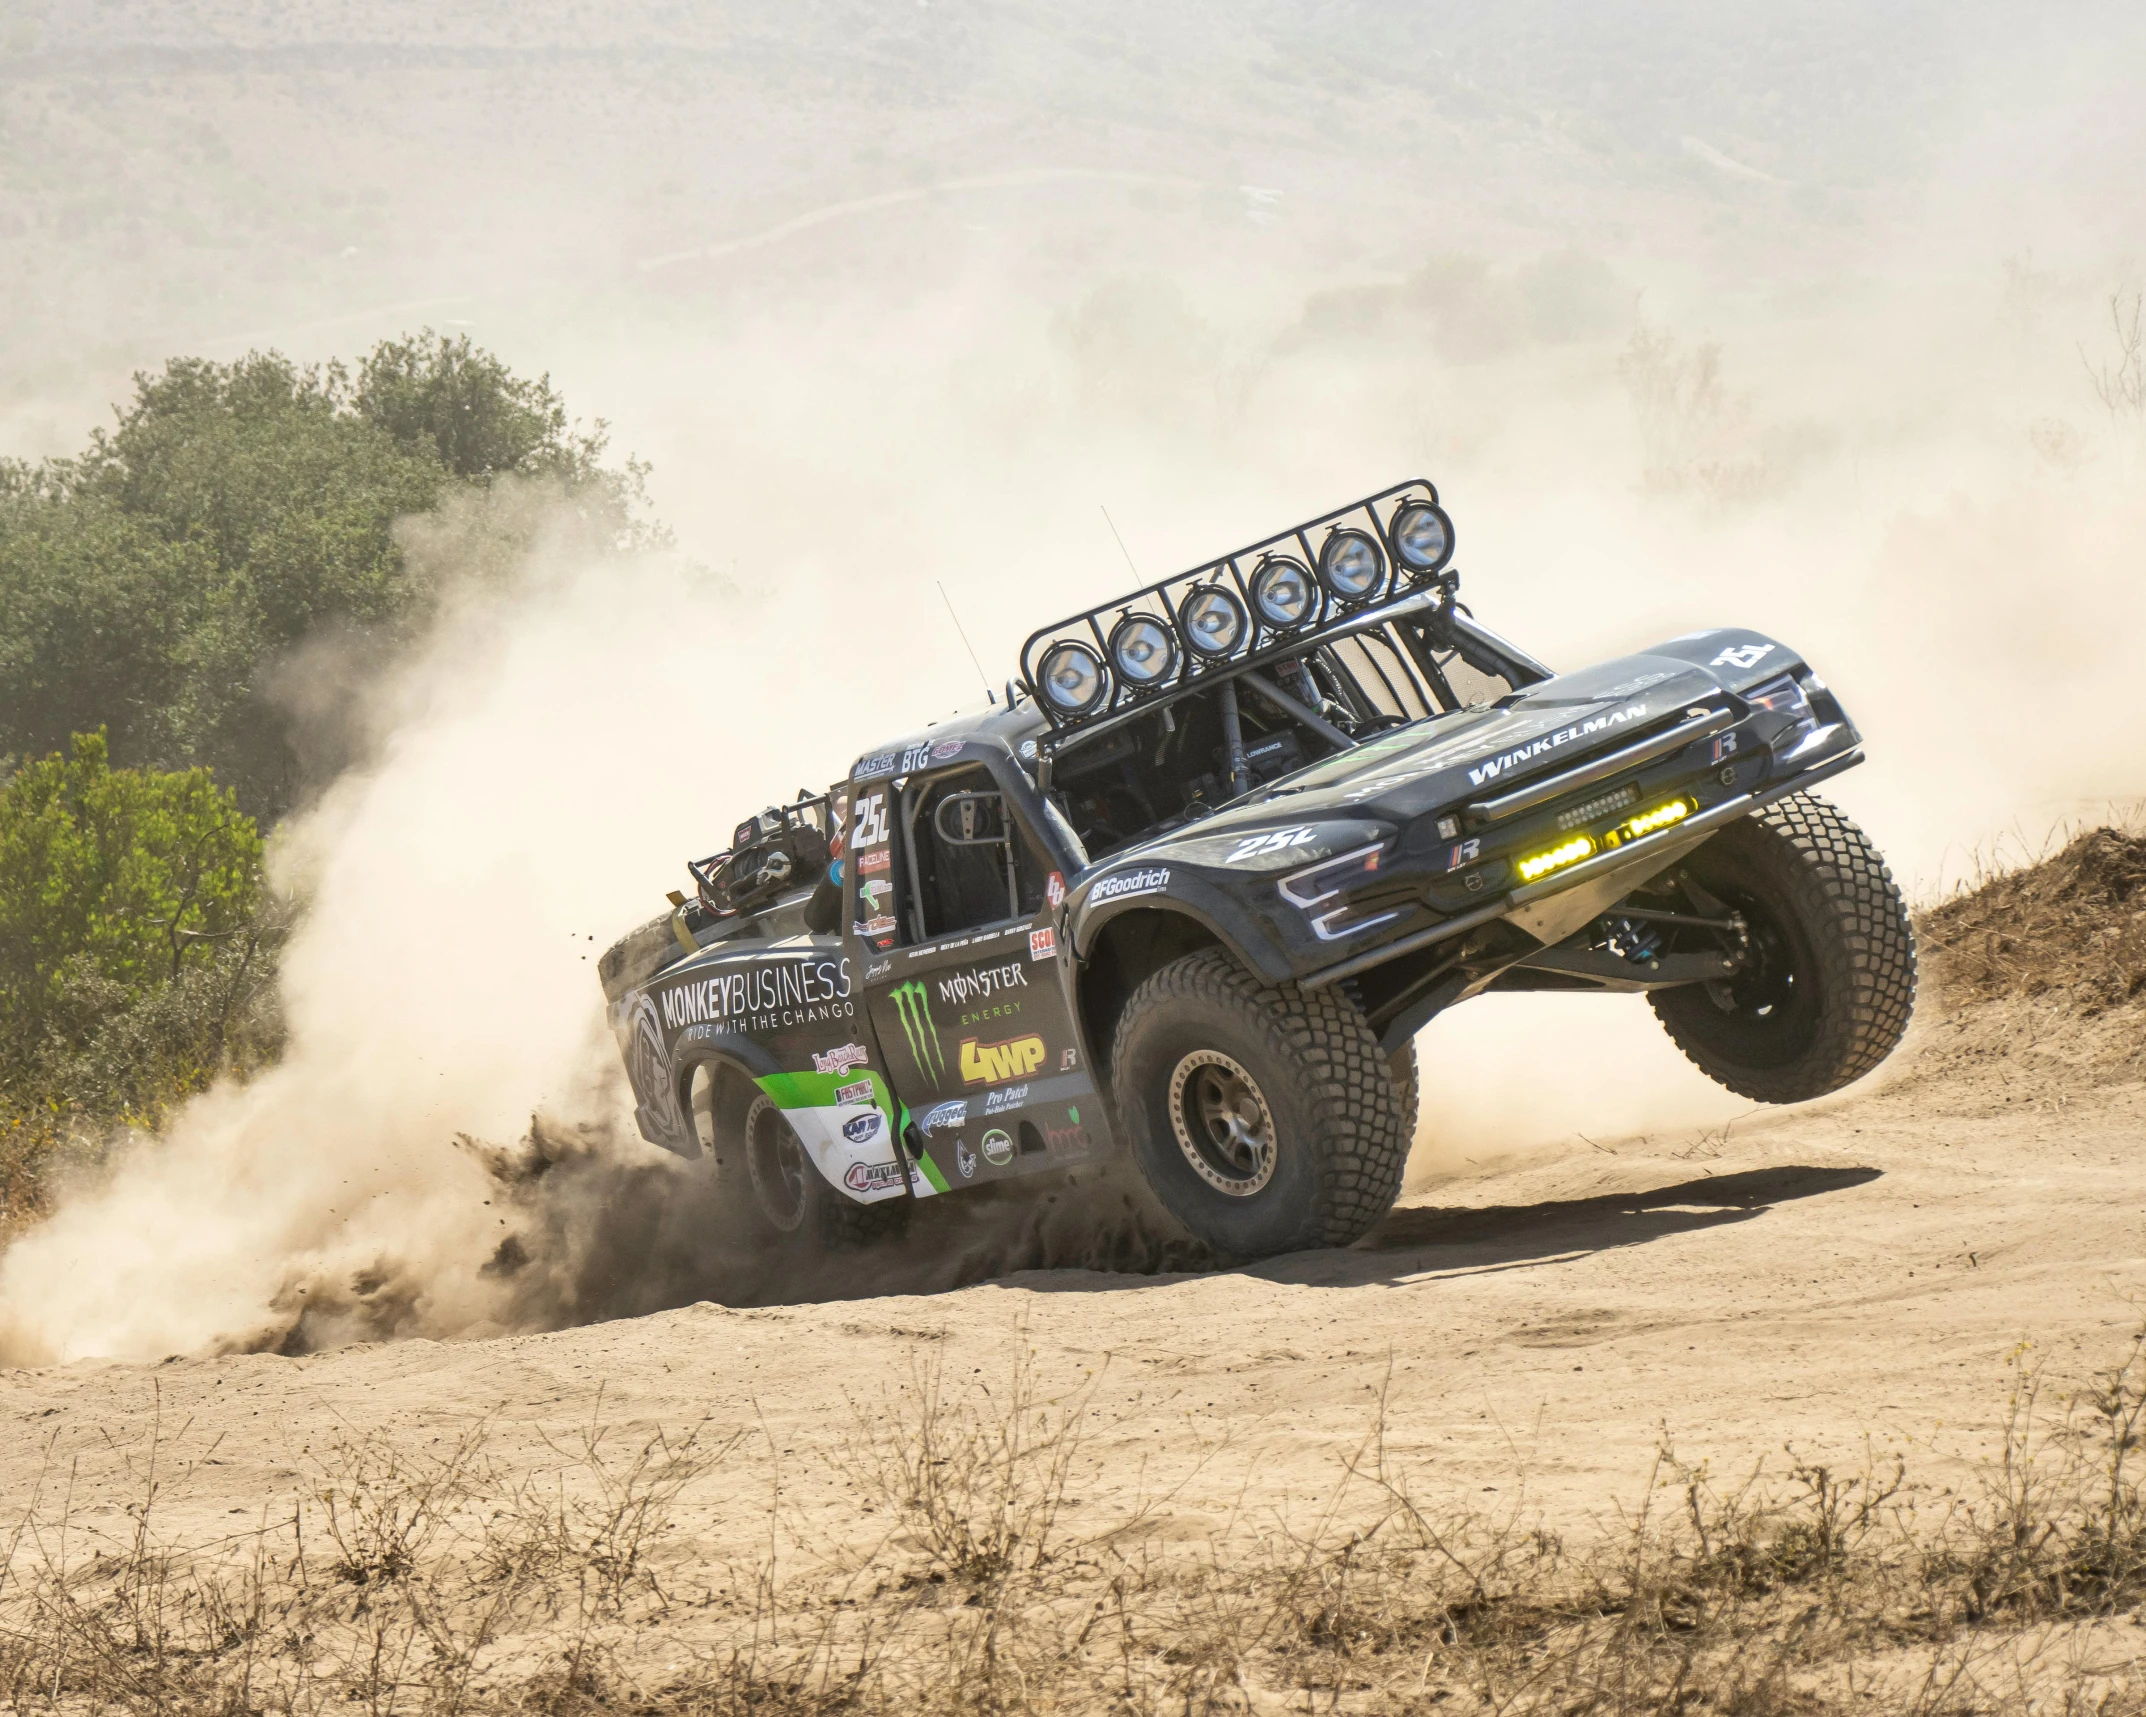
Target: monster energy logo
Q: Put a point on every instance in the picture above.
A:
(914, 1007)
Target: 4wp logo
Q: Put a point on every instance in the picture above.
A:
(995, 1063)
(913, 1008)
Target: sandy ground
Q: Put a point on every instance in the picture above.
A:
(1837, 1279)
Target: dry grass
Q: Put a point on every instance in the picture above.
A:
(2072, 927)
(2038, 973)
(436, 1583)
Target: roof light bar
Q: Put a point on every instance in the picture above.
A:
(1269, 599)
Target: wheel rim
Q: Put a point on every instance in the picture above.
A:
(1222, 1122)
(1771, 1002)
(776, 1160)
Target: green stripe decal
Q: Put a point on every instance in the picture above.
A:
(931, 1172)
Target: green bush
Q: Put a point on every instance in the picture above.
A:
(236, 514)
(136, 958)
(187, 612)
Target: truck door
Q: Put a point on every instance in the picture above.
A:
(967, 990)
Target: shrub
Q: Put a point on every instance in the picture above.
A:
(161, 584)
(134, 953)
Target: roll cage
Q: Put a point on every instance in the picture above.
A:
(1173, 760)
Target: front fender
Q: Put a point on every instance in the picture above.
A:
(1189, 896)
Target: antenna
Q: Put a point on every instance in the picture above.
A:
(1122, 549)
(965, 644)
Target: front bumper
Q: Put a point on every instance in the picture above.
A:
(1638, 858)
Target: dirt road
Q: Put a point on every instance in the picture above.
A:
(1833, 1279)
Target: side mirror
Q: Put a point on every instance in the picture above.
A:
(971, 819)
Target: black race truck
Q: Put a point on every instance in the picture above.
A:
(1228, 844)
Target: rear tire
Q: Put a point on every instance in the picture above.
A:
(1831, 982)
(1264, 1119)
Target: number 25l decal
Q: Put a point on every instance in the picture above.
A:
(871, 820)
(1274, 841)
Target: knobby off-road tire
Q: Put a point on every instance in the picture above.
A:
(1832, 976)
(1401, 1069)
(1201, 1038)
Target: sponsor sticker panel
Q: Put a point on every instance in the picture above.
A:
(1491, 768)
(944, 1117)
(851, 1143)
(1130, 882)
(974, 983)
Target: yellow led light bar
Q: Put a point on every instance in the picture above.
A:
(1661, 817)
(1557, 858)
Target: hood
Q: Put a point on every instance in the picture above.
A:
(1453, 759)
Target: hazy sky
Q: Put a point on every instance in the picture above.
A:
(181, 176)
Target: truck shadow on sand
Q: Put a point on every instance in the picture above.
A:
(1420, 1241)
(596, 1237)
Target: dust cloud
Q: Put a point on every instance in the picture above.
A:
(441, 984)
(1812, 391)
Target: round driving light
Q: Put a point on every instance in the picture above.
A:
(1422, 537)
(1282, 591)
(1213, 622)
(1144, 651)
(1073, 678)
(1350, 565)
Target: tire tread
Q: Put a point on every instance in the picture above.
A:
(1874, 961)
(1358, 1120)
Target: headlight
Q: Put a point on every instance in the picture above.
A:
(1350, 565)
(1786, 696)
(1213, 622)
(1143, 650)
(1073, 678)
(1282, 591)
(1422, 537)
(1313, 889)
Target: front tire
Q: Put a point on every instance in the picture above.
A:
(1829, 981)
(1264, 1119)
(1401, 1069)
